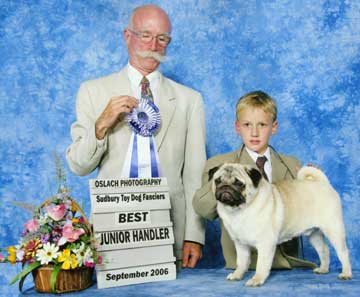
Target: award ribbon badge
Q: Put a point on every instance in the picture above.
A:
(142, 159)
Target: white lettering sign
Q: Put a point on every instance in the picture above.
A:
(111, 221)
(133, 230)
(115, 259)
(135, 275)
(134, 238)
(133, 217)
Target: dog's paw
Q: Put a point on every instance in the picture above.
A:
(234, 276)
(320, 270)
(255, 282)
(345, 276)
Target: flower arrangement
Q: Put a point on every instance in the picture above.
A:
(57, 235)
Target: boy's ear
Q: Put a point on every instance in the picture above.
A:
(237, 127)
(274, 127)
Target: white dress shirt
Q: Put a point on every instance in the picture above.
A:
(135, 78)
(267, 166)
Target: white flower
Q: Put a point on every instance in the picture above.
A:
(88, 257)
(80, 254)
(20, 254)
(48, 252)
(84, 255)
(43, 219)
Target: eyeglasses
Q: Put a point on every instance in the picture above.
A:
(146, 37)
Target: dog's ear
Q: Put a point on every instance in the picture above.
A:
(212, 172)
(255, 175)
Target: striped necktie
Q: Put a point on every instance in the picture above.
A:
(260, 162)
(145, 90)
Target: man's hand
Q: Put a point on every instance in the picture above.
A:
(192, 252)
(116, 107)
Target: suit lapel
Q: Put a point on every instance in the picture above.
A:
(167, 105)
(278, 168)
(122, 87)
(244, 157)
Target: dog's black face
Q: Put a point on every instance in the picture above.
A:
(230, 194)
(230, 185)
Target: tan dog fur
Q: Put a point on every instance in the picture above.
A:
(261, 215)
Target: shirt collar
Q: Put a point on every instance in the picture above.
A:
(135, 76)
(255, 155)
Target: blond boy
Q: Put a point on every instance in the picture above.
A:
(256, 122)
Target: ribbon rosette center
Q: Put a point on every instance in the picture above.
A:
(145, 119)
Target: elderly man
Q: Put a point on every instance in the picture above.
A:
(101, 136)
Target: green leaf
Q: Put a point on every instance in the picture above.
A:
(22, 275)
(53, 277)
(28, 206)
(21, 283)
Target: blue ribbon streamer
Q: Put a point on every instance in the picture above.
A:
(134, 172)
(145, 121)
(154, 164)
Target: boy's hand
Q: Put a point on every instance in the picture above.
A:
(297, 168)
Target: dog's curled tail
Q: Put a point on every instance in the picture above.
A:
(311, 173)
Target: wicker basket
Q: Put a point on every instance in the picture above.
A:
(66, 281)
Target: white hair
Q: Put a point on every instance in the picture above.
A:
(151, 54)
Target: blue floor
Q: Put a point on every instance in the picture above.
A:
(212, 282)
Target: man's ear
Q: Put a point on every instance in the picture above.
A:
(255, 175)
(126, 36)
(212, 172)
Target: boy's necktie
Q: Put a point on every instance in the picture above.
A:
(260, 162)
(145, 90)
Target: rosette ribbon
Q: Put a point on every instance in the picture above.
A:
(142, 159)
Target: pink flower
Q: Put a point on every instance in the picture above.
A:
(32, 225)
(69, 234)
(99, 260)
(89, 264)
(56, 212)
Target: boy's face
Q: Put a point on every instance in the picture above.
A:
(255, 128)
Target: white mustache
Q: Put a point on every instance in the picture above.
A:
(150, 54)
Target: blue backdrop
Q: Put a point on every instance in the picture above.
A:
(304, 53)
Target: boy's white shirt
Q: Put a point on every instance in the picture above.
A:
(267, 167)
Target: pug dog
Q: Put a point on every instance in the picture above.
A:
(262, 215)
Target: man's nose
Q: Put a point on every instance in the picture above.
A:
(154, 44)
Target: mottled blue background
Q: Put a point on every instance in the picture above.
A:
(303, 53)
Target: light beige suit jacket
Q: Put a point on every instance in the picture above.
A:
(180, 142)
(283, 167)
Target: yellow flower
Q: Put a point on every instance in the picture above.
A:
(12, 254)
(11, 249)
(75, 221)
(68, 259)
(74, 207)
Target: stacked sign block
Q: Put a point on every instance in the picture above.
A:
(133, 230)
